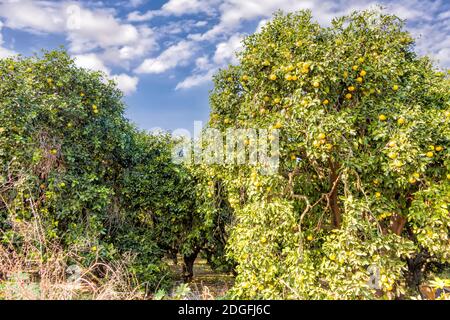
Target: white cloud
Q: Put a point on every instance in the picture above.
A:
(86, 29)
(196, 80)
(127, 84)
(226, 51)
(91, 61)
(175, 55)
(32, 16)
(203, 63)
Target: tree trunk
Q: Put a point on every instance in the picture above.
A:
(188, 265)
(333, 197)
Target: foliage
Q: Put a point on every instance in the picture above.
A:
(363, 186)
(99, 187)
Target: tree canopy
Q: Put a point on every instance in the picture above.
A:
(363, 186)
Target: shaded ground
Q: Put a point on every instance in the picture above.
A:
(206, 284)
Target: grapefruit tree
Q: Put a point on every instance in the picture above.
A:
(360, 204)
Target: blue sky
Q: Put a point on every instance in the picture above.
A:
(164, 53)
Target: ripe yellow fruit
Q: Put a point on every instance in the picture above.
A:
(376, 182)
(329, 146)
(416, 175)
(226, 121)
(439, 148)
(332, 257)
(326, 101)
(348, 96)
(309, 238)
(294, 78)
(316, 144)
(293, 157)
(430, 154)
(401, 121)
(288, 77)
(95, 111)
(230, 79)
(395, 87)
(273, 77)
(53, 151)
(378, 194)
(398, 163)
(393, 155)
(361, 60)
(263, 239)
(355, 68)
(245, 78)
(431, 148)
(321, 136)
(278, 125)
(448, 176)
(382, 117)
(345, 74)
(266, 99)
(359, 79)
(351, 88)
(82, 94)
(362, 73)
(276, 100)
(412, 180)
(316, 84)
(392, 144)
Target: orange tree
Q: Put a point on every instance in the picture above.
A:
(100, 188)
(360, 204)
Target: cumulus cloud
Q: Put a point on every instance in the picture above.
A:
(32, 16)
(91, 61)
(87, 30)
(175, 55)
(224, 54)
(226, 51)
(195, 80)
(126, 83)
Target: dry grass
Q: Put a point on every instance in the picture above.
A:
(39, 270)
